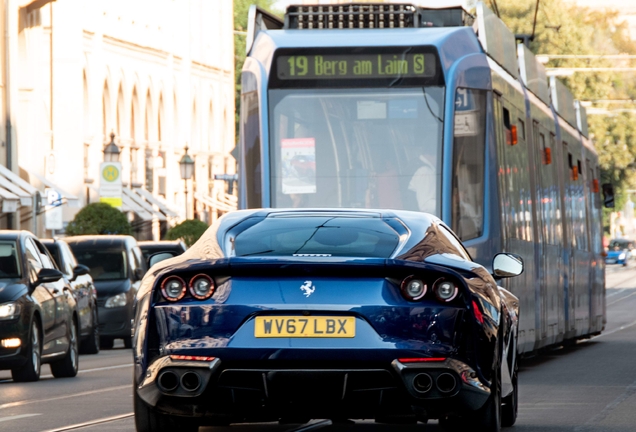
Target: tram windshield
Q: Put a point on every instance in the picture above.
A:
(357, 147)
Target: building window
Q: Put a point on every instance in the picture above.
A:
(149, 170)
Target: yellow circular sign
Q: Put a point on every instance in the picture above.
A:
(110, 173)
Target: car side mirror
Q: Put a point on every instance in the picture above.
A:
(158, 257)
(48, 275)
(80, 270)
(506, 265)
(608, 195)
(139, 273)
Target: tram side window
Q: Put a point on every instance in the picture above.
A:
(468, 163)
(251, 137)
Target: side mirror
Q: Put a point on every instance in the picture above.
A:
(80, 270)
(158, 257)
(608, 195)
(48, 275)
(139, 273)
(507, 265)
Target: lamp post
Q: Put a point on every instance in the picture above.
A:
(186, 164)
(111, 151)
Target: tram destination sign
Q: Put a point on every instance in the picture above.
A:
(356, 66)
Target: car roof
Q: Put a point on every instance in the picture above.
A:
(102, 240)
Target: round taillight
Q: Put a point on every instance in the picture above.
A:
(413, 288)
(202, 287)
(445, 290)
(173, 288)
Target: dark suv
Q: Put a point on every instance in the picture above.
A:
(117, 267)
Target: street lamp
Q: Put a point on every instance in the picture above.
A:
(111, 151)
(187, 169)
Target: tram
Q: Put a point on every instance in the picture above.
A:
(433, 110)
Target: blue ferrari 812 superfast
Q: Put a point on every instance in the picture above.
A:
(292, 315)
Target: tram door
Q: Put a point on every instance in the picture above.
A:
(542, 196)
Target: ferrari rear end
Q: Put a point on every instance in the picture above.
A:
(259, 337)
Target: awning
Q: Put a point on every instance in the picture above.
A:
(71, 200)
(9, 201)
(140, 201)
(14, 184)
(130, 205)
(155, 200)
(214, 203)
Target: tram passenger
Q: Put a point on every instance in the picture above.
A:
(424, 183)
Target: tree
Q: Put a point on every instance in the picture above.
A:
(189, 231)
(99, 218)
(564, 28)
(241, 8)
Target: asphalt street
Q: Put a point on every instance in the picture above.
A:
(589, 387)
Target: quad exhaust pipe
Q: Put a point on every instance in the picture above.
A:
(169, 381)
(190, 381)
(422, 383)
(445, 383)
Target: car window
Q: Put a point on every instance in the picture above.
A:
(32, 255)
(318, 236)
(138, 256)
(67, 259)
(9, 263)
(46, 259)
(104, 264)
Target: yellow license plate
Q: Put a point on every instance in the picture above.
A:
(304, 327)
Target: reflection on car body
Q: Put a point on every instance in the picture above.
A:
(325, 314)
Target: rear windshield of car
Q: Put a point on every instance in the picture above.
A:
(317, 236)
(104, 264)
(9, 264)
(620, 244)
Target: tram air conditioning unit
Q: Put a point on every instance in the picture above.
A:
(373, 16)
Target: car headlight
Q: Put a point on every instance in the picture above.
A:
(116, 301)
(622, 256)
(9, 310)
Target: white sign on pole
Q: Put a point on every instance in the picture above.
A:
(53, 216)
(9, 206)
(110, 185)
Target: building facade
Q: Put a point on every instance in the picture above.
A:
(158, 74)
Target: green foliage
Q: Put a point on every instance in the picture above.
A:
(99, 218)
(241, 8)
(189, 231)
(564, 28)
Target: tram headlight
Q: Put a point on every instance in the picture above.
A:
(173, 288)
(202, 287)
(445, 290)
(413, 288)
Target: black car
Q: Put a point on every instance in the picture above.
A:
(38, 312)
(173, 247)
(116, 266)
(85, 294)
(326, 313)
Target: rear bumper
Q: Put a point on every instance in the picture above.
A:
(237, 392)
(115, 322)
